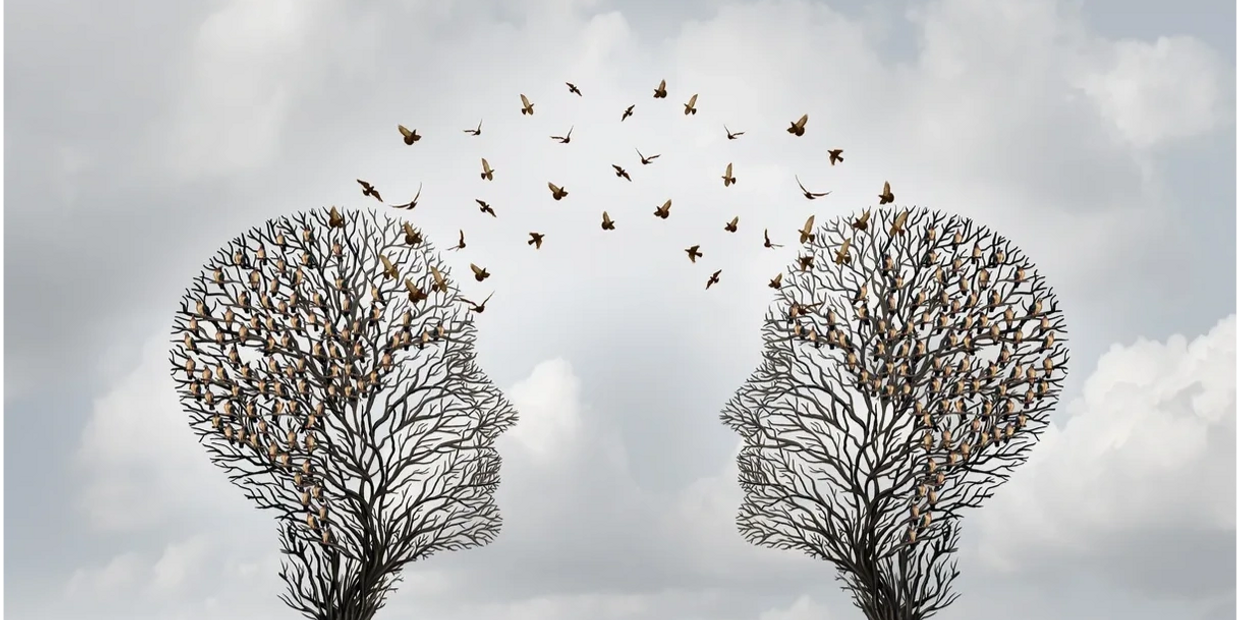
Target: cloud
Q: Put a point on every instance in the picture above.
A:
(1140, 477)
(548, 401)
(804, 608)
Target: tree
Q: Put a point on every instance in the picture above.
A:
(326, 365)
(910, 363)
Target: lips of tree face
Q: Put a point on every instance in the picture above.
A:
(897, 388)
(335, 397)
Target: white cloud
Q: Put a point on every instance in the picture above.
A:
(548, 402)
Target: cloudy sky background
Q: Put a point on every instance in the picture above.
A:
(1098, 137)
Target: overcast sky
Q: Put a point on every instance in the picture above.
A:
(1099, 138)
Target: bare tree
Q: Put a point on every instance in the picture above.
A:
(910, 364)
(326, 366)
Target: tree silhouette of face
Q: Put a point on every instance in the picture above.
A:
(327, 365)
(910, 363)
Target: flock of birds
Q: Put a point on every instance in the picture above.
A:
(796, 128)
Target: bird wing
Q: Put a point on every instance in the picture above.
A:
(800, 185)
(804, 119)
(404, 131)
(809, 224)
(692, 100)
(662, 84)
(475, 269)
(886, 187)
(605, 218)
(554, 189)
(617, 168)
(484, 302)
(524, 101)
(485, 166)
(364, 184)
(728, 172)
(735, 220)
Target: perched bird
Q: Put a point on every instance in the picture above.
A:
(691, 106)
(620, 172)
(480, 273)
(766, 240)
(807, 231)
(777, 281)
(842, 256)
(837, 156)
(415, 293)
(607, 223)
(627, 112)
(897, 227)
(808, 194)
(484, 207)
(886, 197)
(334, 219)
(798, 128)
(536, 240)
(646, 160)
(369, 190)
(714, 279)
(410, 136)
(479, 308)
(460, 244)
(728, 179)
(693, 253)
(862, 222)
(573, 89)
(413, 237)
(487, 173)
(526, 106)
(564, 139)
(660, 92)
(477, 131)
(389, 270)
(664, 211)
(806, 261)
(731, 226)
(556, 191)
(412, 203)
(732, 136)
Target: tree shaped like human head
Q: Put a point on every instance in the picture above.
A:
(326, 365)
(911, 361)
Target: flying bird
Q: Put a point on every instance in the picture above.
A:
(460, 244)
(564, 139)
(732, 136)
(766, 240)
(479, 308)
(808, 194)
(862, 222)
(660, 92)
(620, 172)
(487, 173)
(607, 223)
(693, 253)
(691, 107)
(665, 210)
(573, 89)
(728, 179)
(646, 160)
(412, 237)
(389, 270)
(807, 231)
(897, 227)
(536, 240)
(480, 273)
(842, 256)
(369, 190)
(886, 197)
(837, 156)
(410, 136)
(334, 220)
(526, 106)
(475, 132)
(484, 207)
(777, 281)
(415, 293)
(412, 203)
(441, 283)
(627, 113)
(798, 128)
(731, 226)
(714, 279)
(556, 191)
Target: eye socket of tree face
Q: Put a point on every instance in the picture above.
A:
(326, 364)
(906, 373)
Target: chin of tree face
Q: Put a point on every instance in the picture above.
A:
(331, 375)
(904, 377)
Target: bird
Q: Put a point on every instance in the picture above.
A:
(526, 106)
(798, 128)
(714, 279)
(807, 231)
(732, 136)
(412, 203)
(484, 207)
(564, 139)
(412, 236)
(536, 240)
(334, 220)
(728, 179)
(842, 256)
(731, 226)
(837, 156)
(441, 283)
(646, 160)
(627, 113)
(777, 281)
(479, 308)
(620, 172)
(488, 174)
(660, 92)
(477, 131)
(480, 273)
(664, 211)
(410, 136)
(389, 270)
(415, 293)
(556, 191)
(808, 194)
(806, 261)
(766, 240)
(691, 106)
(693, 253)
(886, 197)
(369, 190)
(862, 222)
(897, 227)
(607, 223)
(573, 89)
(460, 244)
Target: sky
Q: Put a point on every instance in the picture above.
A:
(1098, 137)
